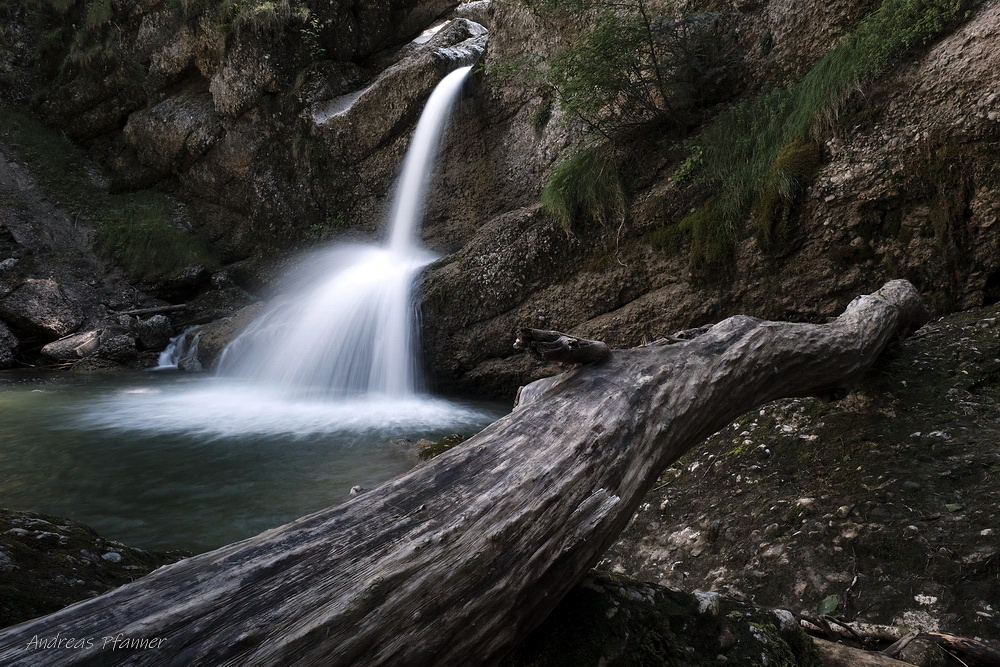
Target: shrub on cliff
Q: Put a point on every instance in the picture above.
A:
(759, 155)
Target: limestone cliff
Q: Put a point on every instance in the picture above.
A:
(279, 125)
(906, 187)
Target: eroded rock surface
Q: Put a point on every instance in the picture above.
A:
(886, 500)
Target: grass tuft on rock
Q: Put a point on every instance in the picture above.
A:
(585, 188)
(759, 153)
(138, 232)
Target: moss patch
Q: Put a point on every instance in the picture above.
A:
(584, 189)
(775, 210)
(139, 231)
(758, 154)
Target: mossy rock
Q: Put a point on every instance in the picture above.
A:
(428, 449)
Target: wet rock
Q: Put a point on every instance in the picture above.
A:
(40, 306)
(117, 345)
(213, 337)
(97, 365)
(428, 449)
(477, 10)
(358, 121)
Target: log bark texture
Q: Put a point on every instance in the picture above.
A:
(455, 562)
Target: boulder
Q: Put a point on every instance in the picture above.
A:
(214, 337)
(41, 307)
(154, 332)
(360, 122)
(73, 347)
(117, 345)
(175, 132)
(48, 562)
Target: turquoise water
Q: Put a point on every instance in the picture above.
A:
(174, 461)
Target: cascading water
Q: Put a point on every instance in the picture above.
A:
(318, 394)
(334, 354)
(351, 331)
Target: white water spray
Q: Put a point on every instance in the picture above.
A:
(351, 331)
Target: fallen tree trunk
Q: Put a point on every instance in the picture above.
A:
(455, 562)
(155, 310)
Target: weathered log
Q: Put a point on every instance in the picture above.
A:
(971, 649)
(557, 346)
(455, 562)
(153, 311)
(839, 655)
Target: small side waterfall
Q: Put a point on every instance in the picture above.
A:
(350, 332)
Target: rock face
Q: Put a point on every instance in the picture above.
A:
(908, 188)
(8, 345)
(280, 124)
(42, 307)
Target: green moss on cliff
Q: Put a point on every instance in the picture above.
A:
(749, 153)
(138, 231)
(776, 206)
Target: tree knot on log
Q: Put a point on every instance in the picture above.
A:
(557, 346)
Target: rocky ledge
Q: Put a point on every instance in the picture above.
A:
(48, 562)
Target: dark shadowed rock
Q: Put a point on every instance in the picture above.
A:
(117, 345)
(40, 306)
(174, 133)
(154, 332)
(48, 562)
(8, 344)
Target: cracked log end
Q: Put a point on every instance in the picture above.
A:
(557, 346)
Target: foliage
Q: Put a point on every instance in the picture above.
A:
(792, 171)
(329, 227)
(138, 232)
(587, 185)
(634, 67)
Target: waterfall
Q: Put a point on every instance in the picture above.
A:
(350, 331)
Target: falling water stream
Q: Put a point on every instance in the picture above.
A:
(305, 406)
(350, 333)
